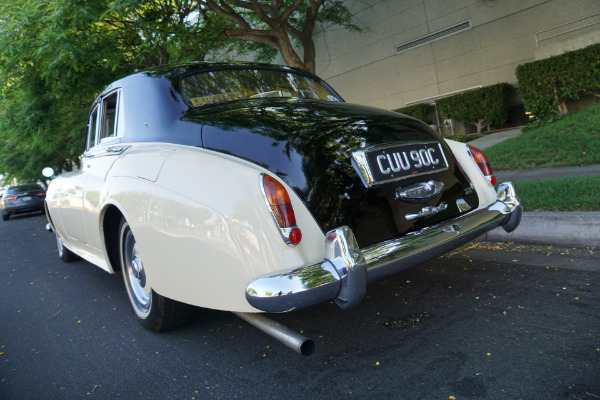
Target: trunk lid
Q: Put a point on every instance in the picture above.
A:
(345, 162)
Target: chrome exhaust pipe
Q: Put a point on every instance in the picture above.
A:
(285, 335)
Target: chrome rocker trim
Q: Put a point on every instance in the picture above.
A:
(344, 273)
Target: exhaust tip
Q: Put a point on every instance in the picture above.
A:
(291, 339)
(307, 348)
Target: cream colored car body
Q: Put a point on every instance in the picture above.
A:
(485, 190)
(200, 246)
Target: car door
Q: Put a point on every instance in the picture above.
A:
(97, 161)
(72, 192)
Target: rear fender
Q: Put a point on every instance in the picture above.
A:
(207, 230)
(485, 190)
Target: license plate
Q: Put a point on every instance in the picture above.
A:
(26, 199)
(404, 161)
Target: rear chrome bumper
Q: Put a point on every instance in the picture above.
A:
(344, 273)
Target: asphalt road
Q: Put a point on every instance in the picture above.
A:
(494, 321)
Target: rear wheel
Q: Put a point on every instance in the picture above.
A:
(155, 312)
(5, 217)
(65, 254)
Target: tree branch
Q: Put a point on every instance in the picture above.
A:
(260, 12)
(226, 11)
(291, 9)
(259, 37)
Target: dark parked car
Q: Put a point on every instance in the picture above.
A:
(256, 188)
(22, 199)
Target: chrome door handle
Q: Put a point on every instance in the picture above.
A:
(427, 211)
(116, 149)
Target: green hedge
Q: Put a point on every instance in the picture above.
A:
(486, 106)
(418, 111)
(546, 85)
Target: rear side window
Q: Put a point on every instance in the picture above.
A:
(109, 113)
(103, 124)
(225, 85)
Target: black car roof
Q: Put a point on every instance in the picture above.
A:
(174, 72)
(155, 106)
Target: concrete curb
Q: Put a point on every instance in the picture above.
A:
(547, 173)
(558, 228)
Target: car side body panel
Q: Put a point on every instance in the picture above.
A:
(205, 233)
(65, 207)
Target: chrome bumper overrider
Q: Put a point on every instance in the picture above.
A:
(344, 273)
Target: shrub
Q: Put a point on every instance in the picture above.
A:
(418, 111)
(486, 106)
(546, 85)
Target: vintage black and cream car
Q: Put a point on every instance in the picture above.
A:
(255, 188)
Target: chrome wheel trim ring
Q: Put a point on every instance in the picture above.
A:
(60, 245)
(139, 291)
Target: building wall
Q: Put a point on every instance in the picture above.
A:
(364, 67)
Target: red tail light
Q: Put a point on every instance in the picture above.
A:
(10, 198)
(281, 209)
(41, 194)
(483, 163)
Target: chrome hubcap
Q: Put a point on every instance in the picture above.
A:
(136, 266)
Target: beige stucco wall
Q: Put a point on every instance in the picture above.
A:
(364, 68)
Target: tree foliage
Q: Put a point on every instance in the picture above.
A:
(546, 85)
(57, 55)
(418, 111)
(485, 106)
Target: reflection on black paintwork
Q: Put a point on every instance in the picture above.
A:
(308, 144)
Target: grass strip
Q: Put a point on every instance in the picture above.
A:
(572, 140)
(561, 194)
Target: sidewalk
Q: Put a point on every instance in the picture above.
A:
(558, 228)
(494, 138)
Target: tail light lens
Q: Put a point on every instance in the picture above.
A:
(281, 208)
(10, 198)
(483, 163)
(41, 194)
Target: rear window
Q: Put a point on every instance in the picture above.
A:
(238, 84)
(24, 189)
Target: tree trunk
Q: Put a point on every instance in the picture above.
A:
(479, 125)
(289, 54)
(309, 55)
